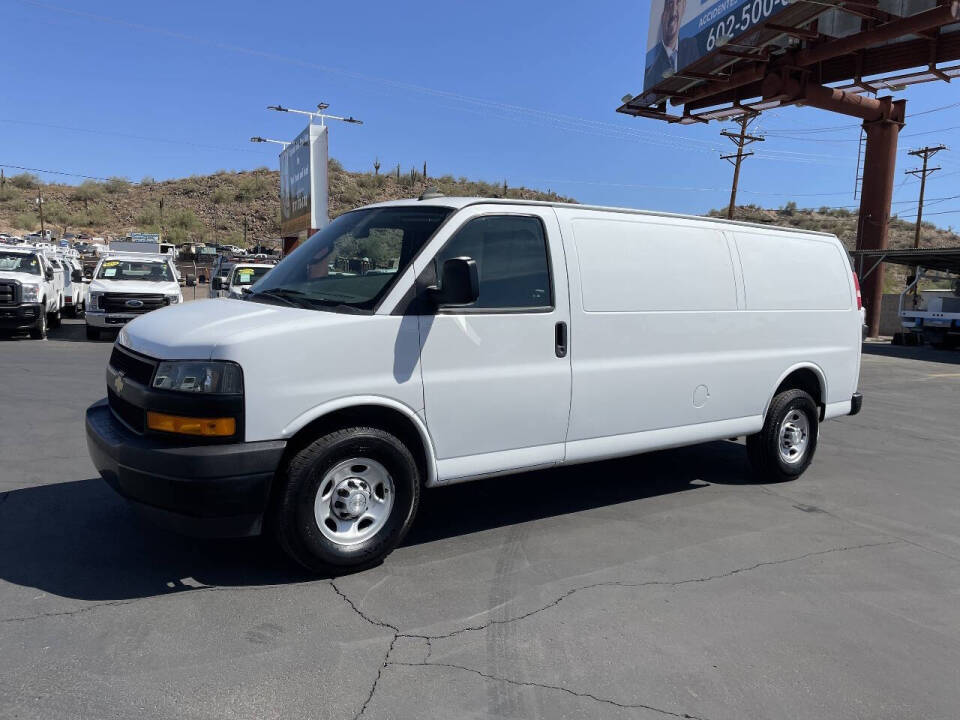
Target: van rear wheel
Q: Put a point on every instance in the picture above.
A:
(347, 499)
(785, 446)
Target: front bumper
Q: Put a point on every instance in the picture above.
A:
(100, 319)
(20, 317)
(202, 490)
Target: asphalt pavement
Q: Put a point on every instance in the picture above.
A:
(664, 585)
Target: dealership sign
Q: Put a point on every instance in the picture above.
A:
(303, 182)
(682, 32)
(152, 238)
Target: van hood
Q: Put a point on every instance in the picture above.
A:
(216, 328)
(170, 287)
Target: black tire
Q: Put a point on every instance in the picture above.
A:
(293, 518)
(39, 330)
(92, 333)
(763, 449)
(53, 319)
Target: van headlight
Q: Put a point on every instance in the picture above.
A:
(213, 377)
(30, 293)
(173, 299)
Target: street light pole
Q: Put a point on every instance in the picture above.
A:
(314, 115)
(258, 139)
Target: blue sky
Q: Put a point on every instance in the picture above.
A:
(522, 91)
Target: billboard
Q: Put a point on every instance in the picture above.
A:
(682, 32)
(303, 182)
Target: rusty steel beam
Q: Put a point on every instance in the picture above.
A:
(936, 17)
(790, 88)
(940, 15)
(875, 198)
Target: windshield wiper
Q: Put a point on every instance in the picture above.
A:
(282, 294)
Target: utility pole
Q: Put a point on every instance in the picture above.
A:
(244, 231)
(926, 153)
(741, 140)
(161, 217)
(43, 231)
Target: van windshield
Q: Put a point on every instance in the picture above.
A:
(351, 263)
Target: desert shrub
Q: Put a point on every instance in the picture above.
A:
(86, 191)
(25, 181)
(116, 185)
(147, 180)
(26, 220)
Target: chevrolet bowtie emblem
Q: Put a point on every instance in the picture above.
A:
(118, 383)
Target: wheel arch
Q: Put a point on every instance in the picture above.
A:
(374, 411)
(806, 376)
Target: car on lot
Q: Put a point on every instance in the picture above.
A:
(495, 337)
(127, 285)
(240, 279)
(30, 296)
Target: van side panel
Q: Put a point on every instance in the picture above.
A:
(793, 273)
(630, 266)
(678, 324)
(639, 362)
(800, 308)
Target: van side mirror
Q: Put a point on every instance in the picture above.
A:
(459, 283)
(216, 283)
(76, 276)
(49, 274)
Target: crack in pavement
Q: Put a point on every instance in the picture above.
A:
(651, 583)
(397, 634)
(560, 688)
(865, 525)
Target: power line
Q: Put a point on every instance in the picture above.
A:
(170, 141)
(56, 172)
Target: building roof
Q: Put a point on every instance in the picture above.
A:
(945, 259)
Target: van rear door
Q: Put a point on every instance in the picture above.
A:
(496, 374)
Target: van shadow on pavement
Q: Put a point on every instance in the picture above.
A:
(80, 540)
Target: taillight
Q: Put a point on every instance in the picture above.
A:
(856, 286)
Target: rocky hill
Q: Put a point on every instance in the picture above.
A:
(211, 207)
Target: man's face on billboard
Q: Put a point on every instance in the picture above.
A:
(670, 20)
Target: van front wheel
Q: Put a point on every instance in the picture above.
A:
(785, 445)
(347, 499)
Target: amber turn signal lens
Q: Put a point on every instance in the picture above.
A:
(210, 427)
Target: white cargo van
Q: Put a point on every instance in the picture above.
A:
(419, 343)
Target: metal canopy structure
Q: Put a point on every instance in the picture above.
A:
(828, 54)
(943, 259)
(797, 42)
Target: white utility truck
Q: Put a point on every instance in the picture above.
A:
(127, 285)
(239, 278)
(30, 297)
(932, 317)
(478, 337)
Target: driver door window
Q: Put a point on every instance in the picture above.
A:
(512, 262)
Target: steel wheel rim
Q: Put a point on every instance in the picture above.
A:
(354, 501)
(794, 436)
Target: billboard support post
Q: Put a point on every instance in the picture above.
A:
(878, 179)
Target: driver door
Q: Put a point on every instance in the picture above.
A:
(496, 374)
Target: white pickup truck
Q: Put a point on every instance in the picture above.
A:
(30, 298)
(127, 285)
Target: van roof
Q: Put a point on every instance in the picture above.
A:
(462, 202)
